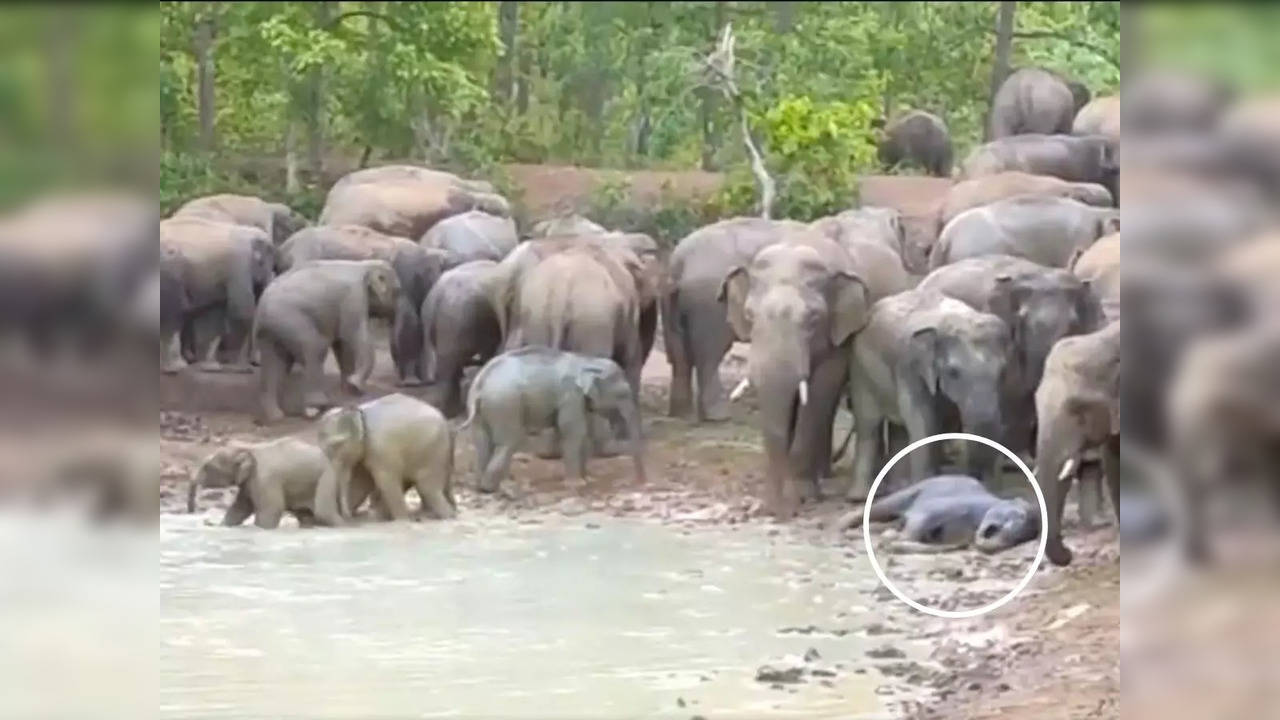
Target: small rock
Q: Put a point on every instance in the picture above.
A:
(679, 702)
(769, 674)
(887, 652)
(819, 672)
(593, 526)
(975, 686)
(811, 655)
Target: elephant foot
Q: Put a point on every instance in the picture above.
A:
(209, 366)
(410, 381)
(1058, 554)
(680, 402)
(353, 385)
(174, 367)
(716, 413)
(270, 416)
(238, 368)
(311, 412)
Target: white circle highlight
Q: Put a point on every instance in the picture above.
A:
(1022, 584)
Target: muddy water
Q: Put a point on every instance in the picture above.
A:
(489, 617)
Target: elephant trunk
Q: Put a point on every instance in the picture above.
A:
(1053, 451)
(780, 398)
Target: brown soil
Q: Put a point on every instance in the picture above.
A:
(1051, 653)
(546, 189)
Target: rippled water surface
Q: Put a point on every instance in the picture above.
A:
(488, 617)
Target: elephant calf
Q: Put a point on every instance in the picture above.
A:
(535, 388)
(392, 443)
(271, 478)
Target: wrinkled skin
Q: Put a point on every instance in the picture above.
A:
(697, 333)
(417, 270)
(393, 443)
(1032, 100)
(1091, 159)
(405, 201)
(271, 478)
(930, 364)
(277, 220)
(1039, 305)
(532, 389)
(1099, 266)
(1046, 230)
(917, 139)
(954, 511)
(968, 194)
(458, 325)
(1077, 411)
(798, 303)
(1101, 116)
(1224, 408)
(878, 225)
(566, 225)
(323, 305)
(472, 235)
(221, 269)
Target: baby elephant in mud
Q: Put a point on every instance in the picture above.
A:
(536, 388)
(271, 478)
(390, 444)
(949, 512)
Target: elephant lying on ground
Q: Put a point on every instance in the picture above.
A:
(949, 512)
(1101, 116)
(393, 442)
(1046, 230)
(277, 220)
(531, 389)
(417, 270)
(976, 192)
(1077, 409)
(218, 270)
(920, 139)
(458, 325)
(271, 478)
(1092, 159)
(405, 201)
(472, 235)
(1033, 100)
(1040, 306)
(877, 225)
(323, 305)
(930, 364)
(566, 225)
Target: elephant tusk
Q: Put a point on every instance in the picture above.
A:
(739, 390)
(804, 392)
(1067, 468)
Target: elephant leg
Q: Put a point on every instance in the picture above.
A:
(1111, 472)
(275, 366)
(1089, 493)
(916, 410)
(448, 381)
(207, 328)
(869, 421)
(431, 486)
(390, 487)
(171, 360)
(483, 445)
(330, 500)
(407, 344)
(572, 423)
(680, 400)
(709, 339)
(348, 365)
(240, 509)
(811, 447)
(314, 398)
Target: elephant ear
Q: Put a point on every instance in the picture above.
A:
(589, 383)
(922, 350)
(733, 293)
(1088, 308)
(1108, 223)
(850, 306)
(246, 466)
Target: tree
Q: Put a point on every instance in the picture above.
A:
(206, 23)
(1000, 68)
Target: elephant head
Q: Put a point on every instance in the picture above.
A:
(382, 287)
(341, 435)
(284, 222)
(226, 467)
(1090, 194)
(606, 390)
(1039, 310)
(795, 307)
(962, 358)
(262, 262)
(1006, 524)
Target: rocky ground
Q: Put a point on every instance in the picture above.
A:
(1050, 653)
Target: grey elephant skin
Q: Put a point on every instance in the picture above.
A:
(218, 270)
(976, 192)
(573, 224)
(954, 511)
(1089, 159)
(1046, 230)
(1101, 116)
(405, 201)
(876, 225)
(1099, 266)
(1033, 100)
(798, 303)
(533, 389)
(1040, 305)
(277, 220)
(391, 443)
(1077, 410)
(323, 305)
(459, 327)
(472, 235)
(917, 139)
(927, 363)
(417, 269)
(271, 478)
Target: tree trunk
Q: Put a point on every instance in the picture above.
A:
(707, 108)
(206, 28)
(315, 105)
(291, 184)
(522, 79)
(1000, 68)
(504, 73)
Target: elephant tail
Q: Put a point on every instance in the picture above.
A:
(448, 475)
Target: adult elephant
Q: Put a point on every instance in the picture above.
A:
(411, 173)
(917, 139)
(1088, 159)
(1034, 100)
(798, 302)
(458, 326)
(417, 269)
(922, 362)
(277, 220)
(880, 225)
(221, 269)
(696, 332)
(404, 204)
(574, 224)
(1101, 116)
(472, 235)
(321, 306)
(1099, 267)
(1047, 230)
(1077, 409)
(979, 191)
(1040, 306)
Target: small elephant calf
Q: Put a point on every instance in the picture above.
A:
(270, 478)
